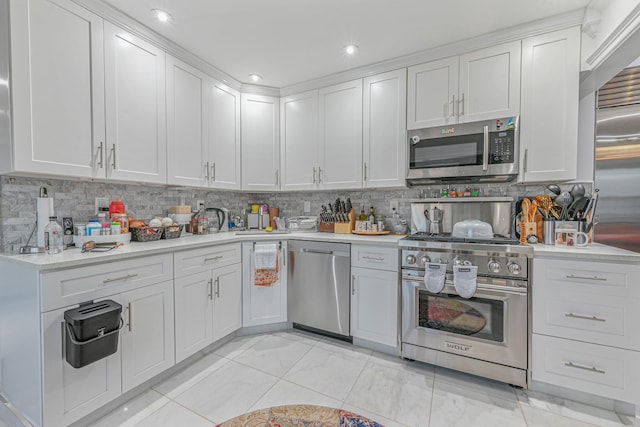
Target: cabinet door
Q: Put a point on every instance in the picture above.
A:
(340, 121)
(299, 141)
(194, 314)
(186, 104)
(135, 108)
(374, 306)
(69, 393)
(384, 135)
(263, 305)
(260, 143)
(550, 81)
(147, 336)
(431, 93)
(490, 83)
(227, 300)
(57, 89)
(224, 136)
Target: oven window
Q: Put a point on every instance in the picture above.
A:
(477, 317)
(463, 150)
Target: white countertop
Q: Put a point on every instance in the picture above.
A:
(74, 258)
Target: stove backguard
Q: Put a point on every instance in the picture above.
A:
(497, 211)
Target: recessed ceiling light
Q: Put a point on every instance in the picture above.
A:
(350, 49)
(161, 15)
(255, 77)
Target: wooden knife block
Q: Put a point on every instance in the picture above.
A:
(346, 227)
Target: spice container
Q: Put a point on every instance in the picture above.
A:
(123, 221)
(115, 228)
(203, 225)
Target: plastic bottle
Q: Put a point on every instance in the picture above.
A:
(115, 228)
(93, 227)
(53, 237)
(116, 207)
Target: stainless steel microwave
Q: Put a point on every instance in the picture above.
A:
(478, 151)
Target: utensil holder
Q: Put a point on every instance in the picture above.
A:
(549, 232)
(527, 229)
(346, 227)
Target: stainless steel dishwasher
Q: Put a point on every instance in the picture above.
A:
(319, 287)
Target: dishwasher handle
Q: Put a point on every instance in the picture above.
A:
(321, 252)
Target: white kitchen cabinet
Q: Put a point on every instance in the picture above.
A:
(480, 85)
(340, 137)
(384, 147)
(260, 126)
(374, 294)
(223, 136)
(57, 76)
(148, 333)
(227, 300)
(194, 314)
(263, 305)
(431, 93)
(299, 141)
(187, 154)
(72, 393)
(549, 125)
(136, 144)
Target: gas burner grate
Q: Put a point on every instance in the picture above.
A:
(447, 237)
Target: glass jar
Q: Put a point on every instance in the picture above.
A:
(123, 220)
(203, 225)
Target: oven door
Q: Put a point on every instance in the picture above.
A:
(490, 326)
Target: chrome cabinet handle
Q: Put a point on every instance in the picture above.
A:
(113, 155)
(365, 171)
(526, 155)
(284, 257)
(373, 258)
(213, 172)
(453, 106)
(585, 368)
(210, 289)
(101, 149)
(571, 276)
(217, 287)
(116, 279)
(461, 102)
(353, 285)
(580, 316)
(277, 177)
(129, 317)
(214, 258)
(206, 172)
(314, 175)
(485, 153)
(319, 174)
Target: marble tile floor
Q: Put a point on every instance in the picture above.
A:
(294, 367)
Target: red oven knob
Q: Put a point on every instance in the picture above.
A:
(514, 268)
(410, 259)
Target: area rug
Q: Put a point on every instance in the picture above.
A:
(300, 416)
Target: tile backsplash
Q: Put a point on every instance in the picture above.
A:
(76, 198)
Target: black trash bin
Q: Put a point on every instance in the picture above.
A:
(92, 332)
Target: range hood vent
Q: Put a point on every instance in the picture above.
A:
(623, 89)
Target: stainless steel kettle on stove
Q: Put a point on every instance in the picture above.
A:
(434, 218)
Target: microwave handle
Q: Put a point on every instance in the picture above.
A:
(485, 152)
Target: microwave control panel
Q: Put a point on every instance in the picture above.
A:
(501, 147)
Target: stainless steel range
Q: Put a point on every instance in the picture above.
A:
(486, 334)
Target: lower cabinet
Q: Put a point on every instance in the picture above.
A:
(208, 307)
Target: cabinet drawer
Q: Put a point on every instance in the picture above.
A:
(197, 260)
(380, 258)
(593, 318)
(587, 277)
(600, 370)
(69, 287)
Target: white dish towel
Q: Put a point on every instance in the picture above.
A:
(265, 256)
(465, 280)
(434, 276)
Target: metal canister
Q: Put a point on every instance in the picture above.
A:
(549, 232)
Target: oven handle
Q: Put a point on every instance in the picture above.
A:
(419, 282)
(485, 152)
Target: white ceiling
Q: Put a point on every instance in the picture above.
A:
(292, 41)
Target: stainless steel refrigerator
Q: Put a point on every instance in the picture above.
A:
(617, 173)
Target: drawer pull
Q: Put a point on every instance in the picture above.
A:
(214, 258)
(218, 287)
(373, 258)
(210, 289)
(128, 276)
(571, 276)
(585, 368)
(579, 316)
(129, 316)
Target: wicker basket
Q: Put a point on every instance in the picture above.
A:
(172, 231)
(146, 234)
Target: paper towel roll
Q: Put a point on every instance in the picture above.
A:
(44, 209)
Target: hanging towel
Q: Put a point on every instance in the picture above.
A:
(266, 265)
(465, 280)
(434, 276)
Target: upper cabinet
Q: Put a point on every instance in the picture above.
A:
(549, 124)
(481, 85)
(136, 148)
(384, 136)
(203, 129)
(57, 88)
(260, 142)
